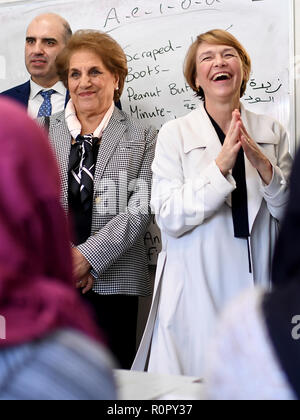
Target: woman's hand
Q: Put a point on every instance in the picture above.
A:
(81, 267)
(236, 138)
(227, 157)
(257, 159)
(86, 283)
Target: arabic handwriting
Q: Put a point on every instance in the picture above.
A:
(265, 87)
(261, 87)
(257, 100)
(274, 91)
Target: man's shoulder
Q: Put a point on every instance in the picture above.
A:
(20, 88)
(20, 93)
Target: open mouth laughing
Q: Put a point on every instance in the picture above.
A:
(220, 77)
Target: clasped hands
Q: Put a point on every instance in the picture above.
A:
(81, 271)
(236, 138)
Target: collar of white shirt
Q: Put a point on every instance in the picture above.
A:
(35, 89)
(35, 100)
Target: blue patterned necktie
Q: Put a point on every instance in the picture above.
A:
(46, 107)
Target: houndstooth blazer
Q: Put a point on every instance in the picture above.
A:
(121, 211)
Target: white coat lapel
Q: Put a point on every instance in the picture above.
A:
(110, 140)
(199, 132)
(252, 177)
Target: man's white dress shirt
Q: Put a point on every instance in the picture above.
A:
(58, 99)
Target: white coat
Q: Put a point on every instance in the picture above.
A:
(202, 265)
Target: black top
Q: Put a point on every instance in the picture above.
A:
(80, 220)
(218, 129)
(239, 195)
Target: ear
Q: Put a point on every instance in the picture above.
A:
(117, 79)
(245, 78)
(244, 70)
(197, 82)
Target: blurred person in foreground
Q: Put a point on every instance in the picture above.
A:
(105, 160)
(51, 349)
(255, 353)
(220, 186)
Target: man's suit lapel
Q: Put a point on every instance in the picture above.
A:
(23, 93)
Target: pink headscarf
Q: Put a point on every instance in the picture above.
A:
(37, 290)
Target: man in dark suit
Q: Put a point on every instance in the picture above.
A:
(43, 94)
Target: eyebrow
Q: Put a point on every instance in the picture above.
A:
(90, 69)
(211, 52)
(49, 40)
(33, 38)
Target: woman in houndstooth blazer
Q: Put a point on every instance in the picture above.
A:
(105, 160)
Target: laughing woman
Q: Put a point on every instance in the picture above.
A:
(219, 191)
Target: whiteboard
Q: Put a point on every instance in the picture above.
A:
(155, 35)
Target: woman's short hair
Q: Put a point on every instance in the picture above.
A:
(102, 44)
(221, 37)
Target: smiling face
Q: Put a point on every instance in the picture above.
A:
(45, 39)
(91, 85)
(219, 72)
